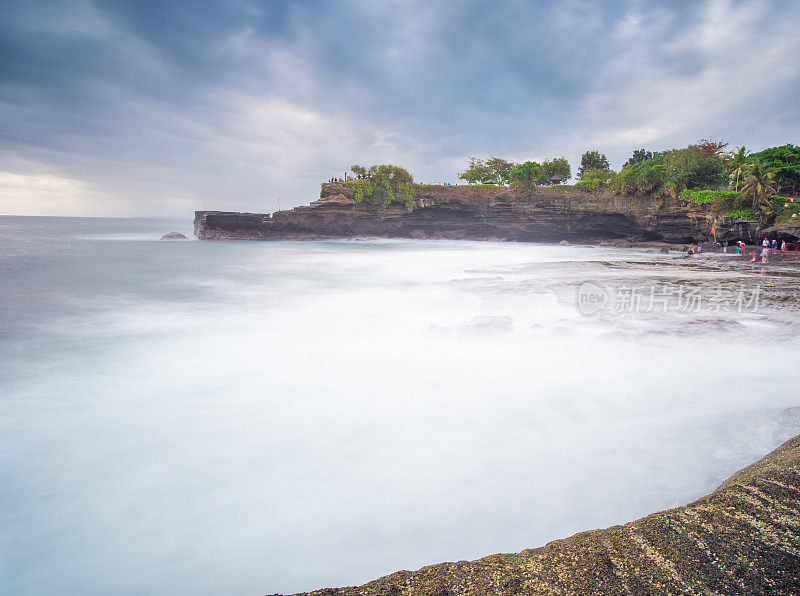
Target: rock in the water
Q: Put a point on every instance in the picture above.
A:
(564, 243)
(174, 236)
(744, 538)
(664, 250)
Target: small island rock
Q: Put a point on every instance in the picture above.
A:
(174, 236)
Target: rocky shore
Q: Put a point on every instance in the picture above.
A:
(744, 538)
(549, 214)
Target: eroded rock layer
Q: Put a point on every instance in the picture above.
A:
(744, 538)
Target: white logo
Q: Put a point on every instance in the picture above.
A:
(591, 298)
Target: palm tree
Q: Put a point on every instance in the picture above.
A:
(737, 162)
(759, 185)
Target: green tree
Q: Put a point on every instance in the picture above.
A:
(708, 148)
(643, 177)
(693, 167)
(736, 164)
(784, 162)
(476, 171)
(495, 169)
(557, 167)
(500, 169)
(597, 179)
(592, 160)
(639, 155)
(759, 186)
(359, 171)
(526, 174)
(382, 184)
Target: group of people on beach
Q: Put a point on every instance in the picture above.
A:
(767, 249)
(763, 252)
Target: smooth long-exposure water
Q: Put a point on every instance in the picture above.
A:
(244, 418)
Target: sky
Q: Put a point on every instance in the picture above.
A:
(147, 107)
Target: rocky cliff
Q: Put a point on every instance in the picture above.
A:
(744, 538)
(481, 213)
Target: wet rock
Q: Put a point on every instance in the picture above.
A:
(174, 236)
(741, 539)
(664, 250)
(564, 243)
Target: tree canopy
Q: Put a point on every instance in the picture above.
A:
(638, 155)
(526, 174)
(494, 169)
(592, 160)
(784, 162)
(707, 165)
(382, 184)
(557, 167)
(759, 186)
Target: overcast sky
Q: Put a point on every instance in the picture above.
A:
(156, 107)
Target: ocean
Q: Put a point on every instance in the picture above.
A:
(257, 417)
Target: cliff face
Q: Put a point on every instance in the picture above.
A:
(480, 213)
(744, 538)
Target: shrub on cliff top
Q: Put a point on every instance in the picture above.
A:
(380, 185)
(671, 172)
(495, 168)
(596, 179)
(526, 175)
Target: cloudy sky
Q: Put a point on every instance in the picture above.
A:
(155, 107)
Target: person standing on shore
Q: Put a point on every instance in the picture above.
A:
(784, 248)
(725, 247)
(774, 246)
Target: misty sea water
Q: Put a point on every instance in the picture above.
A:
(256, 417)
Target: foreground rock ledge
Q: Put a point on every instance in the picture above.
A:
(744, 538)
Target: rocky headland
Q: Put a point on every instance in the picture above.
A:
(744, 538)
(487, 212)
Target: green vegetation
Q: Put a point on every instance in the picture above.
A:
(494, 169)
(596, 179)
(525, 175)
(737, 164)
(592, 161)
(759, 186)
(704, 197)
(671, 172)
(735, 204)
(737, 183)
(745, 214)
(556, 167)
(381, 185)
(784, 163)
(639, 155)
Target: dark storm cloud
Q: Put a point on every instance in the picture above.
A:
(148, 107)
